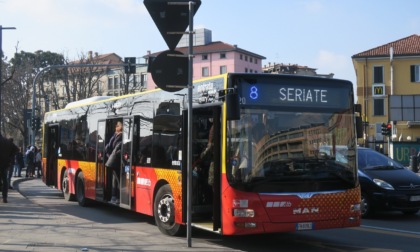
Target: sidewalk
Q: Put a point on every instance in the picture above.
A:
(27, 226)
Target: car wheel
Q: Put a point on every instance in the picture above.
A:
(164, 212)
(366, 206)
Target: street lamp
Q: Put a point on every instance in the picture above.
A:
(1, 62)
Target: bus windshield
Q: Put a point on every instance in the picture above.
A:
(279, 150)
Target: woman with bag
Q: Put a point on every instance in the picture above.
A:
(113, 152)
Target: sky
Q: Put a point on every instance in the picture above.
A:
(320, 34)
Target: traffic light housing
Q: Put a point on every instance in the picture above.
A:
(130, 67)
(388, 129)
(33, 123)
(384, 129)
(37, 123)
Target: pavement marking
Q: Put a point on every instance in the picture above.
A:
(390, 231)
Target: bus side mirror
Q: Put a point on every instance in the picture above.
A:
(232, 105)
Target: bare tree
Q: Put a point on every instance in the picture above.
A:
(131, 84)
(80, 82)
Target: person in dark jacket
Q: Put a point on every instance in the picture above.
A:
(7, 154)
(113, 152)
(19, 163)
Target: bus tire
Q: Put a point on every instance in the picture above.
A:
(164, 212)
(80, 190)
(65, 187)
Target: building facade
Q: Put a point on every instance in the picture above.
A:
(388, 90)
(214, 58)
(280, 68)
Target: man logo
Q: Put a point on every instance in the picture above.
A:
(306, 210)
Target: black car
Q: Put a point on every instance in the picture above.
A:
(386, 184)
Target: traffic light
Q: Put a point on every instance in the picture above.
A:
(384, 129)
(33, 123)
(388, 129)
(37, 123)
(130, 67)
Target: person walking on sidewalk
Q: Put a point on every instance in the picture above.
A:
(19, 163)
(11, 167)
(38, 162)
(7, 154)
(30, 162)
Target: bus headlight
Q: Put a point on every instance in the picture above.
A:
(355, 208)
(243, 213)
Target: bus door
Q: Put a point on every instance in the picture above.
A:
(206, 165)
(131, 127)
(100, 181)
(51, 150)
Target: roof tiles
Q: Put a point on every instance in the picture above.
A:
(409, 46)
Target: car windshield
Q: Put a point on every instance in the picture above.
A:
(283, 151)
(369, 159)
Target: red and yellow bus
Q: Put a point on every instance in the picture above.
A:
(256, 155)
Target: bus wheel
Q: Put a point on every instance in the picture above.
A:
(80, 190)
(65, 187)
(164, 212)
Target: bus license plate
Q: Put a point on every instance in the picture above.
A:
(304, 226)
(415, 198)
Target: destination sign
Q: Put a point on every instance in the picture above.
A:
(312, 93)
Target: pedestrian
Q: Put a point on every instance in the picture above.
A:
(7, 153)
(19, 163)
(30, 162)
(38, 162)
(113, 152)
(10, 168)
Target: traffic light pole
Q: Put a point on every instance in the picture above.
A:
(190, 115)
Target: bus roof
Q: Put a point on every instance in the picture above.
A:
(87, 100)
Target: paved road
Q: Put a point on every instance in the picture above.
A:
(26, 224)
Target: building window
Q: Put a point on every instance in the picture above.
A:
(144, 80)
(135, 80)
(415, 73)
(241, 57)
(255, 61)
(246, 70)
(223, 55)
(378, 74)
(223, 69)
(110, 83)
(116, 82)
(204, 56)
(205, 71)
(246, 58)
(378, 107)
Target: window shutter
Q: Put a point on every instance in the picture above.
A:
(413, 73)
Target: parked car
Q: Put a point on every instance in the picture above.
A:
(386, 184)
